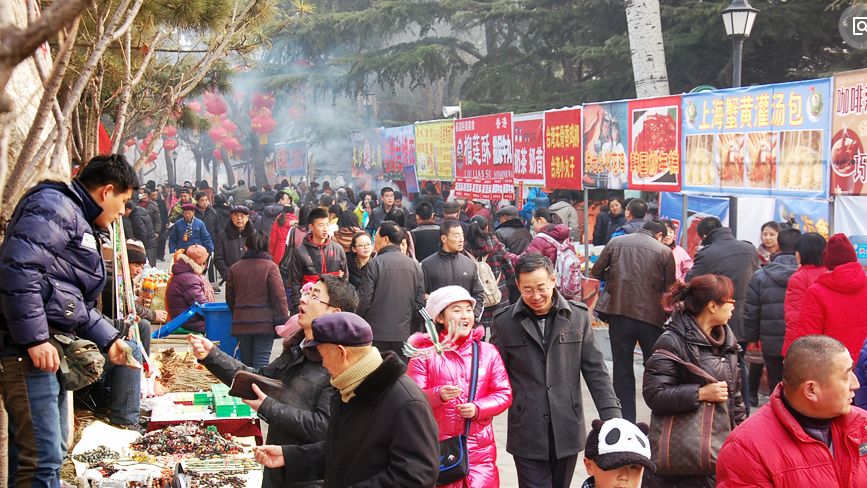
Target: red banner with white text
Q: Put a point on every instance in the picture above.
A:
(529, 142)
(483, 148)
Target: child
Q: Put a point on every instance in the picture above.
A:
(616, 453)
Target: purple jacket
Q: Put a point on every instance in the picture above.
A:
(186, 287)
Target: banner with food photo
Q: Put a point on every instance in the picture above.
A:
(654, 144)
(366, 156)
(606, 137)
(760, 140)
(398, 150)
(435, 150)
(563, 149)
(483, 157)
(698, 207)
(805, 215)
(849, 130)
(528, 139)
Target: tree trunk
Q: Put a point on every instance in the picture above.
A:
(170, 167)
(647, 48)
(258, 160)
(227, 163)
(197, 155)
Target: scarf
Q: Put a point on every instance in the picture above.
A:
(349, 380)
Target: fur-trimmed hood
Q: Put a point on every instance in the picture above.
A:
(184, 264)
(377, 384)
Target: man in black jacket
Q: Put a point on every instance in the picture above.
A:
(378, 214)
(426, 234)
(511, 231)
(382, 430)
(300, 414)
(450, 266)
(230, 244)
(547, 346)
(318, 255)
(391, 291)
(142, 229)
(764, 314)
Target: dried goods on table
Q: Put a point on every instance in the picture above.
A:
(96, 456)
(180, 372)
(188, 438)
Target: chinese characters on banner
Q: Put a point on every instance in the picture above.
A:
(366, 157)
(766, 140)
(654, 144)
(849, 126)
(290, 159)
(529, 143)
(606, 132)
(563, 149)
(398, 150)
(435, 150)
(483, 162)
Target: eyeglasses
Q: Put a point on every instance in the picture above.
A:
(367, 244)
(313, 296)
(539, 291)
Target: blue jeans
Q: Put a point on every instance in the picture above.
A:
(255, 350)
(125, 384)
(37, 410)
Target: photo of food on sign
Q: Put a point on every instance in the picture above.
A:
(801, 165)
(605, 132)
(731, 152)
(654, 145)
(762, 160)
(701, 167)
(848, 161)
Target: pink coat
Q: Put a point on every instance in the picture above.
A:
(796, 290)
(493, 396)
(834, 306)
(559, 232)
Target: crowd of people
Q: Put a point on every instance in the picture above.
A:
(408, 326)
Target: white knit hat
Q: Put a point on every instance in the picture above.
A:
(445, 296)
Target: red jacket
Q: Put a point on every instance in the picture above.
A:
(796, 290)
(559, 232)
(493, 397)
(277, 245)
(771, 449)
(834, 306)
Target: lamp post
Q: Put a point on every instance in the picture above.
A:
(367, 101)
(738, 18)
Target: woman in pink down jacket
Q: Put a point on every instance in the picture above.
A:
(446, 380)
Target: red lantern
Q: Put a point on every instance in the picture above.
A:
(218, 155)
(143, 146)
(231, 144)
(229, 126)
(152, 157)
(216, 106)
(263, 125)
(217, 134)
(170, 131)
(130, 142)
(195, 106)
(261, 100)
(170, 144)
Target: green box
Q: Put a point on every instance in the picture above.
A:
(203, 398)
(225, 410)
(242, 410)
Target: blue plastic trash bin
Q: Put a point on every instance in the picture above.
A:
(218, 325)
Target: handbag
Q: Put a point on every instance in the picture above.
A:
(454, 457)
(687, 444)
(242, 386)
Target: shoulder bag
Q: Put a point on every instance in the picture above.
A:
(454, 457)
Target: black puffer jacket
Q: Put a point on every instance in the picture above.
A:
(724, 255)
(142, 227)
(230, 246)
(514, 235)
(764, 314)
(309, 262)
(392, 289)
(300, 415)
(605, 226)
(670, 389)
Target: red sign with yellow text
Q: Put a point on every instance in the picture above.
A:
(563, 149)
(654, 144)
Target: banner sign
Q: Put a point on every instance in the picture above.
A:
(366, 156)
(529, 143)
(398, 150)
(563, 149)
(849, 128)
(761, 140)
(606, 133)
(435, 150)
(808, 215)
(654, 144)
(698, 207)
(483, 166)
(290, 159)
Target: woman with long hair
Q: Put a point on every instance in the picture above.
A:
(697, 333)
(610, 221)
(360, 253)
(484, 246)
(682, 260)
(398, 216)
(769, 245)
(347, 227)
(446, 379)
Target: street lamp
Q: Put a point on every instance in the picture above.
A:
(738, 18)
(368, 100)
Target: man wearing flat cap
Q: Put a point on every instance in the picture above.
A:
(382, 431)
(189, 231)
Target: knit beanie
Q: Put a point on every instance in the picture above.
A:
(197, 253)
(135, 252)
(838, 251)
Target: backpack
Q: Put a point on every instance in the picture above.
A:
(567, 269)
(490, 282)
